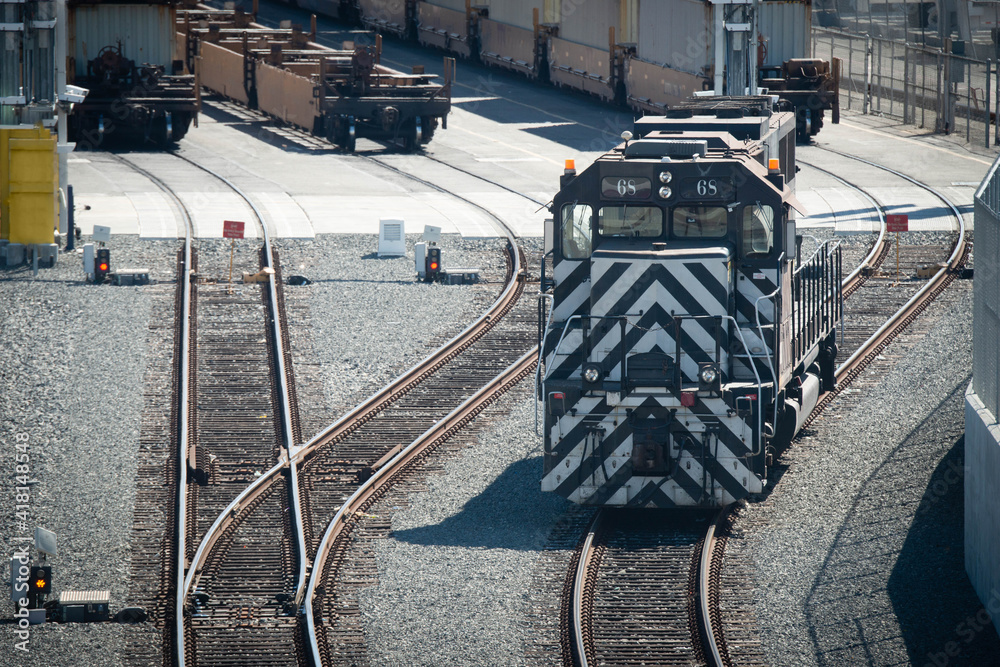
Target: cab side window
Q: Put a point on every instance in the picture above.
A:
(758, 231)
(577, 221)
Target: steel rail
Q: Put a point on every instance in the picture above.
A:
(342, 426)
(185, 575)
(183, 412)
(281, 371)
(404, 457)
(504, 227)
(877, 247)
(713, 651)
(895, 324)
(579, 618)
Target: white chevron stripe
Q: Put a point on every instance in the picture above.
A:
(601, 304)
(576, 299)
(562, 270)
(702, 338)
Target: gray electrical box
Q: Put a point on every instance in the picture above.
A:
(88, 260)
(420, 258)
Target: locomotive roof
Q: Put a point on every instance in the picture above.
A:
(717, 147)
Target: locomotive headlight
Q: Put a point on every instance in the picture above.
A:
(666, 177)
(709, 377)
(591, 373)
(665, 192)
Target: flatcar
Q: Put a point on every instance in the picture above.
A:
(649, 56)
(685, 339)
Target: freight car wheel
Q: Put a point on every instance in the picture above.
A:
(343, 133)
(350, 136)
(429, 124)
(413, 135)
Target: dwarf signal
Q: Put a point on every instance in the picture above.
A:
(102, 265)
(433, 264)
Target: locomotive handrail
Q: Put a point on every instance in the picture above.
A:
(825, 297)
(541, 354)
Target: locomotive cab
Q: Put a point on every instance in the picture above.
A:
(670, 332)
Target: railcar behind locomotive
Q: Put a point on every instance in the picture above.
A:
(124, 53)
(685, 339)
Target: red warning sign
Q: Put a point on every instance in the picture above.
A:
(233, 229)
(897, 223)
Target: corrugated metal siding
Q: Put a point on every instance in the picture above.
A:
(516, 12)
(986, 292)
(786, 26)
(588, 22)
(146, 33)
(457, 5)
(676, 33)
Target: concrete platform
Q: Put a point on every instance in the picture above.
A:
(307, 187)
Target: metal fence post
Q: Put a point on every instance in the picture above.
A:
(986, 104)
(892, 76)
(923, 91)
(968, 101)
(868, 74)
(906, 83)
(940, 126)
(850, 70)
(996, 102)
(877, 66)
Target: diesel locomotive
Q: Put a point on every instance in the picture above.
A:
(685, 337)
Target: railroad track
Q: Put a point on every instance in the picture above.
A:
(235, 416)
(871, 332)
(613, 616)
(237, 595)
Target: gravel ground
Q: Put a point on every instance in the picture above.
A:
(72, 366)
(858, 549)
(403, 318)
(454, 574)
(471, 540)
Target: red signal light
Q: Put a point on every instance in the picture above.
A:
(102, 266)
(433, 266)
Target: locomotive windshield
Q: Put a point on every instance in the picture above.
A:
(630, 221)
(758, 230)
(700, 222)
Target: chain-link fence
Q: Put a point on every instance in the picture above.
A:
(925, 86)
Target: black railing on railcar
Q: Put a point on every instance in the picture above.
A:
(817, 305)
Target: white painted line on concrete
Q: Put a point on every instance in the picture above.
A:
(210, 209)
(156, 216)
(115, 211)
(284, 216)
